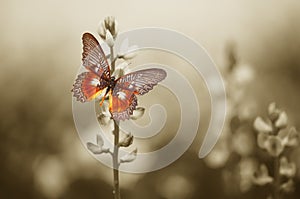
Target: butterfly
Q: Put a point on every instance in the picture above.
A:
(122, 91)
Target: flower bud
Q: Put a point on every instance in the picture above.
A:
(273, 112)
(101, 30)
(109, 24)
(109, 39)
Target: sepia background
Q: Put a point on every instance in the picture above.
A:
(255, 44)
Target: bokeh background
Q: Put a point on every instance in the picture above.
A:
(255, 44)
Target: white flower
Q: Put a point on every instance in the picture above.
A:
(99, 147)
(104, 116)
(290, 137)
(287, 169)
(126, 141)
(261, 126)
(288, 186)
(109, 24)
(243, 74)
(129, 55)
(109, 39)
(137, 113)
(261, 177)
(282, 120)
(274, 145)
(129, 157)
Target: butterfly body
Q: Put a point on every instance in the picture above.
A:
(122, 91)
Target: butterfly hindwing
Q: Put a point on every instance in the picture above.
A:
(87, 86)
(122, 104)
(93, 57)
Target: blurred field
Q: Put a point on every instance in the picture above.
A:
(40, 46)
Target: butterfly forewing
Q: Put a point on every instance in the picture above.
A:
(87, 86)
(93, 57)
(142, 81)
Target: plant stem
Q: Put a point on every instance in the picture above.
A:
(112, 61)
(116, 162)
(276, 179)
(116, 182)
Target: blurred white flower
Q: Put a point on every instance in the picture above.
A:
(287, 169)
(175, 187)
(50, 177)
(129, 157)
(262, 140)
(261, 177)
(282, 120)
(218, 157)
(290, 137)
(288, 186)
(247, 168)
(273, 111)
(243, 74)
(242, 142)
(274, 145)
(261, 126)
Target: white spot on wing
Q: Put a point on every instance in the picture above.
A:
(121, 95)
(95, 82)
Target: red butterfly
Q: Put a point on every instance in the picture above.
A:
(122, 91)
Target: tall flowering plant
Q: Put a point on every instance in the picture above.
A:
(277, 139)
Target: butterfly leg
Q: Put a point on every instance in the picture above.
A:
(103, 98)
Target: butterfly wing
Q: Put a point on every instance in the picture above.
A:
(87, 86)
(93, 57)
(123, 99)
